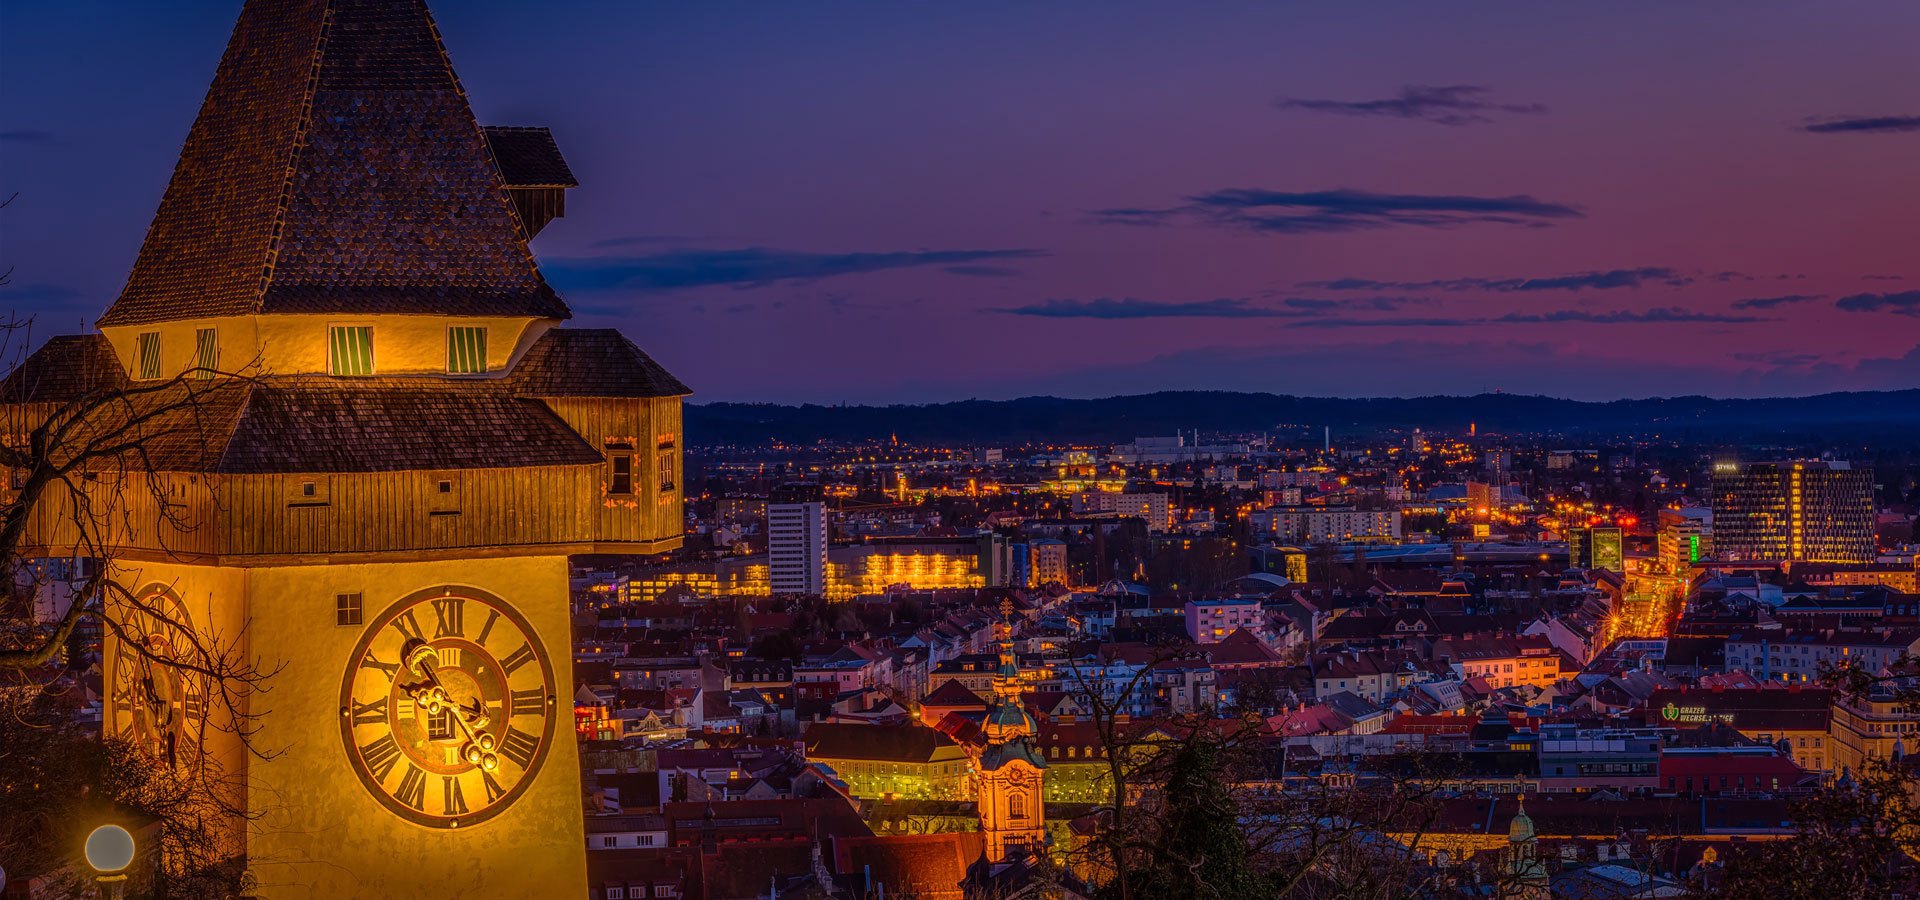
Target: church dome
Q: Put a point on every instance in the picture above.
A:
(1520, 829)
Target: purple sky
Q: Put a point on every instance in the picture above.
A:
(886, 202)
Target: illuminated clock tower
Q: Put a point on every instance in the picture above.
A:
(1012, 771)
(380, 509)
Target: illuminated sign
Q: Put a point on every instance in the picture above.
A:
(1693, 548)
(1673, 713)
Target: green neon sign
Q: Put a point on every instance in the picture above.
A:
(1693, 548)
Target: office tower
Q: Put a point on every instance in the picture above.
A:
(1685, 537)
(797, 539)
(1808, 511)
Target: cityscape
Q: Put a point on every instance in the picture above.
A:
(845, 454)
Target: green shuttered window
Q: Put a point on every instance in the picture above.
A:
(350, 350)
(466, 350)
(206, 352)
(148, 348)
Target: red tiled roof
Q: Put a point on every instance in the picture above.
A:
(911, 865)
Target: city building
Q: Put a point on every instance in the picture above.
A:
(1684, 538)
(1803, 511)
(388, 498)
(797, 540)
(1211, 621)
(1598, 548)
(1325, 524)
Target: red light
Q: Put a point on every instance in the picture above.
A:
(1628, 521)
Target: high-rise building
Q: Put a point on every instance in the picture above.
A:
(1685, 537)
(382, 510)
(1805, 511)
(797, 539)
(1049, 562)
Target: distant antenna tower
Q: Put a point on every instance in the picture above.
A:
(1329, 438)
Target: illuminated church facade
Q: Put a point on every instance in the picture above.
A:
(393, 449)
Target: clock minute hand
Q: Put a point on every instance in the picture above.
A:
(433, 697)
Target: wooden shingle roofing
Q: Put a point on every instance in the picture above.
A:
(313, 424)
(335, 166)
(529, 157)
(591, 362)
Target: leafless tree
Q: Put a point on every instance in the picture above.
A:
(91, 462)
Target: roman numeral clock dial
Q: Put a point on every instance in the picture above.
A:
(447, 707)
(159, 703)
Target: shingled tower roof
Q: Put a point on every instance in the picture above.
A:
(335, 167)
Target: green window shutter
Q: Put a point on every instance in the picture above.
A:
(206, 352)
(148, 346)
(350, 350)
(467, 350)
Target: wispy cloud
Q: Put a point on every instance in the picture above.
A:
(980, 271)
(1342, 210)
(1628, 317)
(1905, 303)
(1452, 104)
(26, 136)
(1398, 322)
(1131, 308)
(750, 266)
(1773, 302)
(1662, 315)
(1860, 124)
(1578, 281)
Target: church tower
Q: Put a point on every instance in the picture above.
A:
(1526, 875)
(392, 450)
(1012, 771)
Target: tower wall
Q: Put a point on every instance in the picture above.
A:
(316, 830)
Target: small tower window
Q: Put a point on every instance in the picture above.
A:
(147, 348)
(346, 609)
(466, 350)
(206, 352)
(350, 350)
(620, 467)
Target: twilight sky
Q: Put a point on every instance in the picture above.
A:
(897, 202)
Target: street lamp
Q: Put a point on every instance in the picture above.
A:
(109, 852)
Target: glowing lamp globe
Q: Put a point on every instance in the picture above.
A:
(109, 848)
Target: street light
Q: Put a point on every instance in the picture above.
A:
(109, 852)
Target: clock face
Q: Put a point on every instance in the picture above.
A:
(447, 707)
(158, 705)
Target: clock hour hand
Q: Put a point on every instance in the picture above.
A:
(430, 695)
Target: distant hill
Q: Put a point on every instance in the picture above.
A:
(1876, 415)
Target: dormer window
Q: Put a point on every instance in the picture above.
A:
(350, 350)
(466, 350)
(147, 354)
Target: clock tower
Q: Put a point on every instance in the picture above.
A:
(1012, 771)
(397, 447)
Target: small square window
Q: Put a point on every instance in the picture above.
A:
(444, 486)
(309, 489)
(620, 468)
(147, 348)
(346, 609)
